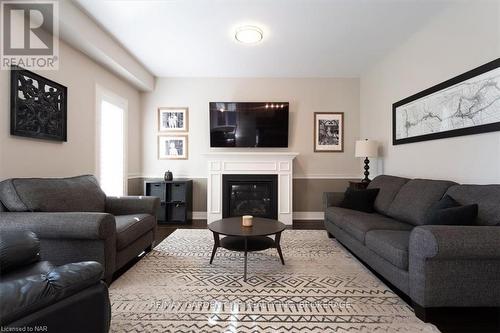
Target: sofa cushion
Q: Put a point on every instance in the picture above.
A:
(415, 198)
(131, 227)
(76, 194)
(18, 249)
(10, 199)
(448, 211)
(357, 224)
(392, 245)
(445, 202)
(389, 186)
(485, 196)
(361, 200)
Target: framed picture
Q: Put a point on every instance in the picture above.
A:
(38, 106)
(328, 132)
(173, 120)
(466, 104)
(172, 147)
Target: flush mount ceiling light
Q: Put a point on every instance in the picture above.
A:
(248, 34)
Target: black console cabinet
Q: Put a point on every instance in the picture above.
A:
(176, 199)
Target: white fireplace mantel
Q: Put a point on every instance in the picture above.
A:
(251, 163)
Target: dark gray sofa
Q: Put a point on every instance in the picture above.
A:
(435, 265)
(76, 221)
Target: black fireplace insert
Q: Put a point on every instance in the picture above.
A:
(255, 195)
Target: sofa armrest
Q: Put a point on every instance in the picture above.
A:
(453, 266)
(73, 277)
(132, 205)
(24, 296)
(332, 199)
(455, 242)
(61, 225)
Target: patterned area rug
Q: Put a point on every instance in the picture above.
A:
(321, 288)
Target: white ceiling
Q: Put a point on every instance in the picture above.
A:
(302, 38)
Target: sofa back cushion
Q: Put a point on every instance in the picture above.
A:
(360, 200)
(389, 186)
(415, 198)
(76, 194)
(487, 197)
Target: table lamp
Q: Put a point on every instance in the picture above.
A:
(366, 148)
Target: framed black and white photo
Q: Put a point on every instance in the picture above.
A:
(466, 104)
(38, 106)
(172, 119)
(172, 147)
(328, 132)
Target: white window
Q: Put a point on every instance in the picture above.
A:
(111, 142)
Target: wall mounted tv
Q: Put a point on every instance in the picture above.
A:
(260, 124)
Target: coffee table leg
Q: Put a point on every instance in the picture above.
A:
(216, 245)
(245, 269)
(278, 247)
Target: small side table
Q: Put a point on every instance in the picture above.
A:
(358, 185)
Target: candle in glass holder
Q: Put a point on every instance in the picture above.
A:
(247, 220)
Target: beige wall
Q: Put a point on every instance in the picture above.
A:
(461, 38)
(328, 171)
(306, 96)
(307, 193)
(22, 157)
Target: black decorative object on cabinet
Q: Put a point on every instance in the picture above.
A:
(38, 106)
(168, 176)
(176, 199)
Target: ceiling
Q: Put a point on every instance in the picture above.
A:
(302, 38)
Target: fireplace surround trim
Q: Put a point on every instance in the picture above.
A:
(252, 163)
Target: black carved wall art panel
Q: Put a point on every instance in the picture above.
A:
(38, 106)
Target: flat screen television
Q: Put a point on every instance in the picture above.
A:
(262, 124)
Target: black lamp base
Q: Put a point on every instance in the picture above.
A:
(367, 167)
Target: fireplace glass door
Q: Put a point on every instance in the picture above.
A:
(250, 195)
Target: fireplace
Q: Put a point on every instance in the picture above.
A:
(255, 195)
(250, 163)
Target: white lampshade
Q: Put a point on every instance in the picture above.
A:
(366, 148)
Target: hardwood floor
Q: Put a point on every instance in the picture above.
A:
(449, 320)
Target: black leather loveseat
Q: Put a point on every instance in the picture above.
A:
(38, 297)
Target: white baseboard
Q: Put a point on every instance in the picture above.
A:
(296, 215)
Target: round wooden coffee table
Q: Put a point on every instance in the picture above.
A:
(246, 239)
